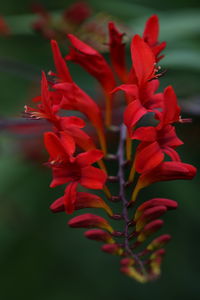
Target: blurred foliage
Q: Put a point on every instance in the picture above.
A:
(40, 257)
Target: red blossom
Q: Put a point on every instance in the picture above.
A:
(72, 170)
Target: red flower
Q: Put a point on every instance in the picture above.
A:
(72, 170)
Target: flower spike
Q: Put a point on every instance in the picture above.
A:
(92, 177)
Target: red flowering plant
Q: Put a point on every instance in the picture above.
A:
(79, 158)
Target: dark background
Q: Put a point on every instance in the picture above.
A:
(40, 257)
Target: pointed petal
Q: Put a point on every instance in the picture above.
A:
(151, 30)
(146, 134)
(70, 197)
(93, 178)
(87, 158)
(143, 60)
(60, 64)
(117, 51)
(92, 61)
(132, 114)
(148, 158)
(54, 147)
(171, 110)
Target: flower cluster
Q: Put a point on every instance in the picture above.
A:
(72, 147)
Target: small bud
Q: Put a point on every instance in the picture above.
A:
(149, 229)
(99, 235)
(170, 204)
(149, 215)
(112, 249)
(90, 221)
(159, 242)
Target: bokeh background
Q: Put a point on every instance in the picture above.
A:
(40, 257)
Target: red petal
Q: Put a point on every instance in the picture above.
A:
(60, 64)
(93, 178)
(143, 60)
(151, 30)
(76, 99)
(54, 147)
(146, 134)
(148, 157)
(117, 51)
(87, 158)
(70, 197)
(131, 91)
(171, 110)
(133, 113)
(92, 61)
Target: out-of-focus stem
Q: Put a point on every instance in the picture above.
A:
(107, 191)
(135, 193)
(132, 173)
(102, 140)
(108, 113)
(128, 147)
(102, 165)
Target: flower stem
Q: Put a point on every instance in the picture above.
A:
(122, 195)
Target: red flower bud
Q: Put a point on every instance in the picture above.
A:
(112, 249)
(169, 204)
(149, 229)
(148, 215)
(90, 221)
(99, 235)
(159, 242)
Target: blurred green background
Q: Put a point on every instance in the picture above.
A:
(40, 257)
